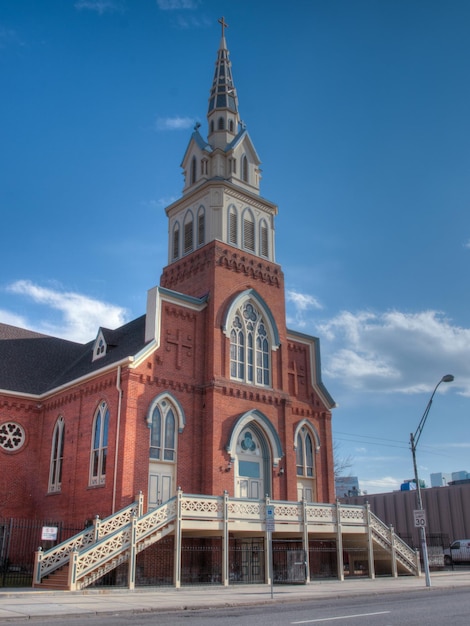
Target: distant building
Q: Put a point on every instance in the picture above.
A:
(462, 475)
(440, 479)
(346, 486)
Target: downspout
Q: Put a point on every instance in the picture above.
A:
(118, 426)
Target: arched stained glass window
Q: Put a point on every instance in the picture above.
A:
(57, 456)
(163, 432)
(305, 462)
(99, 449)
(249, 346)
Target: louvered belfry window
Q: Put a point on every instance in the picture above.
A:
(248, 233)
(264, 240)
(188, 235)
(233, 228)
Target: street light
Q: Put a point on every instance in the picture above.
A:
(414, 438)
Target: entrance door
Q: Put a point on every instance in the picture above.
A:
(160, 484)
(306, 490)
(249, 467)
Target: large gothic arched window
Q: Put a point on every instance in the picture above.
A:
(249, 346)
(163, 432)
(305, 463)
(99, 445)
(57, 456)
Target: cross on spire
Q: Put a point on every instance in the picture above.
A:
(224, 25)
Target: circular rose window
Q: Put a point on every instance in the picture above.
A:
(12, 436)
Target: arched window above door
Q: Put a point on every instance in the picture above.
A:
(253, 335)
(165, 419)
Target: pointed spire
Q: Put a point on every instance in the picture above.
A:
(222, 114)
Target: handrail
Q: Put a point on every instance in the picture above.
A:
(50, 560)
(110, 546)
(112, 537)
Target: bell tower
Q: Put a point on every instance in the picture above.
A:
(221, 195)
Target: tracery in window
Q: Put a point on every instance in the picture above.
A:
(12, 436)
(99, 445)
(249, 346)
(304, 453)
(163, 432)
(57, 456)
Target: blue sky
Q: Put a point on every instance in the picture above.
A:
(359, 110)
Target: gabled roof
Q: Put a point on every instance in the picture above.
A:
(196, 138)
(34, 363)
(243, 136)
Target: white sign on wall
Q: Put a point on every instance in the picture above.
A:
(49, 533)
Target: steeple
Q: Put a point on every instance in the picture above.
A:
(221, 195)
(222, 116)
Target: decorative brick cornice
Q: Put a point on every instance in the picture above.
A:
(169, 383)
(215, 255)
(189, 266)
(251, 266)
(13, 404)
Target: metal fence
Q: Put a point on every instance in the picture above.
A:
(19, 539)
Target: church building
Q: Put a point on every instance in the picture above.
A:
(208, 393)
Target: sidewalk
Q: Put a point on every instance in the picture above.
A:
(29, 603)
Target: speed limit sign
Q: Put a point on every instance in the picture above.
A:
(420, 518)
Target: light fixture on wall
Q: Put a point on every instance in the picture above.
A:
(228, 467)
(281, 471)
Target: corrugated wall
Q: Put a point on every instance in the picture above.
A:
(447, 510)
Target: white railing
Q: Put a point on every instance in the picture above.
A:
(108, 543)
(389, 540)
(53, 559)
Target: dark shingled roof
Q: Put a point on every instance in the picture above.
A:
(34, 363)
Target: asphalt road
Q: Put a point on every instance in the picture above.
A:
(433, 607)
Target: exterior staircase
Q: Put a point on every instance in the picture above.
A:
(92, 553)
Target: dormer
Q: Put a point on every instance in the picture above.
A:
(100, 346)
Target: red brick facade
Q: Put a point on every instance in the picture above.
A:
(187, 356)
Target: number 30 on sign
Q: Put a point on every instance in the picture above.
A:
(420, 518)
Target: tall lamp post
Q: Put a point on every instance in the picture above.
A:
(414, 438)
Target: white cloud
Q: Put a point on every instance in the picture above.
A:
(7, 317)
(174, 123)
(100, 6)
(467, 244)
(380, 485)
(81, 316)
(394, 351)
(160, 203)
(302, 303)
